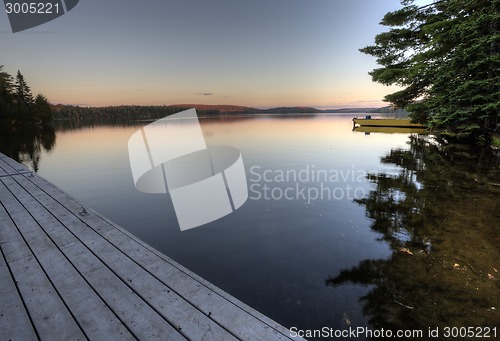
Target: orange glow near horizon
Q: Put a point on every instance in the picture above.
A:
(354, 93)
(338, 100)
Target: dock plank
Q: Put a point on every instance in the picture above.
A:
(246, 323)
(173, 307)
(15, 166)
(51, 318)
(144, 322)
(13, 314)
(5, 169)
(72, 274)
(93, 316)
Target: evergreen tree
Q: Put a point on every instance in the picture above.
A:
(18, 109)
(446, 57)
(23, 95)
(6, 90)
(6, 84)
(42, 112)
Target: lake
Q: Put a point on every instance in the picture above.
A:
(341, 228)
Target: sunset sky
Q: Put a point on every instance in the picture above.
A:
(260, 53)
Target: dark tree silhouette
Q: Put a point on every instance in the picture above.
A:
(445, 57)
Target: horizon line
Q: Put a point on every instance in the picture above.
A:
(223, 105)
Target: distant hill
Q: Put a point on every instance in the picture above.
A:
(223, 109)
(350, 110)
(289, 110)
(311, 110)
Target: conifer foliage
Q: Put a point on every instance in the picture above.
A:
(446, 57)
(18, 108)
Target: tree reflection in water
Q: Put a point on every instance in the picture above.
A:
(441, 216)
(26, 145)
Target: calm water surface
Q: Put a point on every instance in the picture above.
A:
(362, 237)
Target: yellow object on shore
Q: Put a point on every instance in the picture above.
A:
(386, 122)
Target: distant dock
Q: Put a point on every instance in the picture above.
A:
(67, 273)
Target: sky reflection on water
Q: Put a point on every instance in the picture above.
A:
(285, 256)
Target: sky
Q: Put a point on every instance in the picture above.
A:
(260, 53)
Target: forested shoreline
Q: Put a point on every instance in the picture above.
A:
(130, 113)
(19, 109)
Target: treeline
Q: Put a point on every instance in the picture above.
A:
(392, 112)
(131, 113)
(118, 114)
(18, 108)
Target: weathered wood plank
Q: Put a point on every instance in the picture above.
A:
(190, 321)
(51, 318)
(2, 171)
(241, 320)
(16, 165)
(137, 315)
(245, 324)
(128, 283)
(12, 311)
(93, 316)
(10, 167)
(5, 169)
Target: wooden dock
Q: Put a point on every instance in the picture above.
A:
(67, 273)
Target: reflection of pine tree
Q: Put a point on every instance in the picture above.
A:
(26, 145)
(439, 215)
(31, 144)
